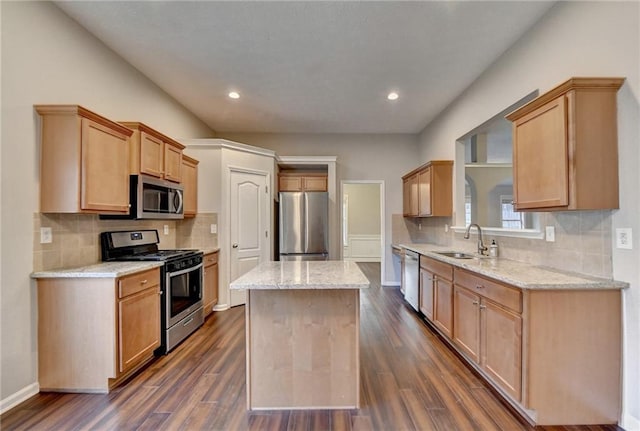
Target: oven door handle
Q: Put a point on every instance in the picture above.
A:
(184, 271)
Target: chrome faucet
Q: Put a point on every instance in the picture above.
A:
(481, 246)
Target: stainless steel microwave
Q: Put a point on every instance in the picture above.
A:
(153, 198)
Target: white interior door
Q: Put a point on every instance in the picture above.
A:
(249, 226)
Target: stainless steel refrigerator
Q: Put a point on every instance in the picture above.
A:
(303, 225)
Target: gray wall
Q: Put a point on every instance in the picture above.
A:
(48, 58)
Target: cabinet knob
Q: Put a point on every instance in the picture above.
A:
(475, 303)
(144, 281)
(482, 307)
(479, 286)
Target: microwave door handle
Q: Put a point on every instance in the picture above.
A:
(178, 205)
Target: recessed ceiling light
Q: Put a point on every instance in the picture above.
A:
(393, 96)
(234, 95)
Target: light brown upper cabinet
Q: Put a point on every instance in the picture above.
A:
(302, 182)
(155, 154)
(84, 162)
(565, 147)
(427, 190)
(190, 184)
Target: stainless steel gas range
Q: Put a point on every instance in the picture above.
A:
(181, 280)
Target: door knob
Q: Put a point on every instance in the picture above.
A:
(235, 246)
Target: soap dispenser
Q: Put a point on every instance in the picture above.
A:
(493, 249)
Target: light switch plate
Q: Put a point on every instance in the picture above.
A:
(214, 228)
(550, 233)
(624, 238)
(166, 229)
(46, 236)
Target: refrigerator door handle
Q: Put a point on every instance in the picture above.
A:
(306, 222)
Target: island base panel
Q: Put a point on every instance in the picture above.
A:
(303, 349)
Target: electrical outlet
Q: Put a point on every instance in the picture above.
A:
(550, 233)
(446, 228)
(214, 228)
(46, 236)
(419, 226)
(624, 238)
(166, 229)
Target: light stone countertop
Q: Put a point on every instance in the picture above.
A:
(330, 274)
(519, 274)
(99, 270)
(209, 250)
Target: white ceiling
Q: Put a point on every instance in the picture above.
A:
(309, 66)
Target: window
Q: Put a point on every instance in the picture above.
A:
(510, 218)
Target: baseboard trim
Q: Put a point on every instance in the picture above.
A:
(221, 307)
(22, 395)
(630, 423)
(391, 284)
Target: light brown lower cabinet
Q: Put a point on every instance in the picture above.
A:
(443, 302)
(554, 354)
(491, 337)
(427, 293)
(210, 291)
(93, 333)
(436, 293)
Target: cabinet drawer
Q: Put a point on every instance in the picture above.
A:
(436, 267)
(138, 282)
(210, 258)
(506, 296)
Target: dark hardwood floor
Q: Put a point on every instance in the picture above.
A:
(410, 381)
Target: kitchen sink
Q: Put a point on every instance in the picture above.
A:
(456, 254)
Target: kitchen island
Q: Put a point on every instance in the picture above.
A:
(302, 334)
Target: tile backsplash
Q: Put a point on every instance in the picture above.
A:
(76, 239)
(582, 244)
(196, 232)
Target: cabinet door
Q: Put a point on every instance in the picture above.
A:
(290, 184)
(138, 327)
(540, 157)
(501, 356)
(315, 184)
(410, 196)
(151, 155)
(190, 184)
(406, 197)
(210, 291)
(104, 169)
(466, 328)
(172, 163)
(443, 306)
(424, 193)
(426, 294)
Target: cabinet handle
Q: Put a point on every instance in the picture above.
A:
(482, 307)
(144, 281)
(479, 286)
(475, 303)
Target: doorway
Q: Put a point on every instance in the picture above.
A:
(363, 221)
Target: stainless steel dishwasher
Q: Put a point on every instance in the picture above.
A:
(411, 279)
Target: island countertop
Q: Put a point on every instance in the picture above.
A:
(330, 274)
